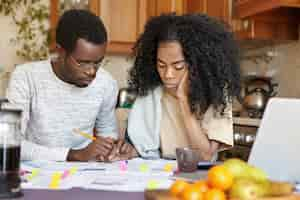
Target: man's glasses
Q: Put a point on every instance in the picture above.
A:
(87, 65)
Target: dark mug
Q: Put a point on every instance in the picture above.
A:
(187, 159)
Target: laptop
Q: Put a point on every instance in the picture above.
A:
(276, 149)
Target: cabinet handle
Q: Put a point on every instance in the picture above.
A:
(245, 24)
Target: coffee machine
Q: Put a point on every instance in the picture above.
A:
(10, 141)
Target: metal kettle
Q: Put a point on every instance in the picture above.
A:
(257, 93)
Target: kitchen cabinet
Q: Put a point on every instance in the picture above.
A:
(247, 8)
(125, 19)
(216, 8)
(269, 26)
(253, 20)
(158, 7)
(53, 21)
(275, 20)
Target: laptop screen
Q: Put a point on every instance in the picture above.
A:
(277, 145)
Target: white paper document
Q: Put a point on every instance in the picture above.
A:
(46, 165)
(129, 182)
(133, 175)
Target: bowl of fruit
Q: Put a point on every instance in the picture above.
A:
(234, 179)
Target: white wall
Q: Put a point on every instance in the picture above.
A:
(8, 58)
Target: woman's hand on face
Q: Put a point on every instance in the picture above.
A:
(183, 86)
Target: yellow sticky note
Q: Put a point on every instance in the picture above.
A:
(54, 184)
(168, 168)
(144, 168)
(73, 170)
(55, 180)
(152, 185)
(33, 174)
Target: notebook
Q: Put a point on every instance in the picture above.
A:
(277, 145)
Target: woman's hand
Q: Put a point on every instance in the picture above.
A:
(183, 87)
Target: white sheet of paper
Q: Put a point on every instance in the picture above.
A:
(128, 181)
(139, 175)
(60, 166)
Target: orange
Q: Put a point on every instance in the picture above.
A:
(191, 192)
(178, 186)
(219, 177)
(214, 194)
(202, 185)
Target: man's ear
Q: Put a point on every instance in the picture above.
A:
(60, 50)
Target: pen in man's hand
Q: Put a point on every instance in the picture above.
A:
(86, 135)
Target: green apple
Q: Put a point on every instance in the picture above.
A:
(247, 189)
(238, 168)
(256, 174)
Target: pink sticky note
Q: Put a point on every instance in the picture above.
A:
(65, 174)
(123, 166)
(24, 172)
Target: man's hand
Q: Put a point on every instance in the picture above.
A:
(122, 151)
(101, 147)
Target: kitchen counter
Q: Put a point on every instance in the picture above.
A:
(246, 121)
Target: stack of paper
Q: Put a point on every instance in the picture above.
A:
(132, 175)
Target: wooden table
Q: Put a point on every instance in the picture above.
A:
(164, 195)
(84, 194)
(79, 194)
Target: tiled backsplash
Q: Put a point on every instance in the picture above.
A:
(285, 68)
(118, 66)
(289, 73)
